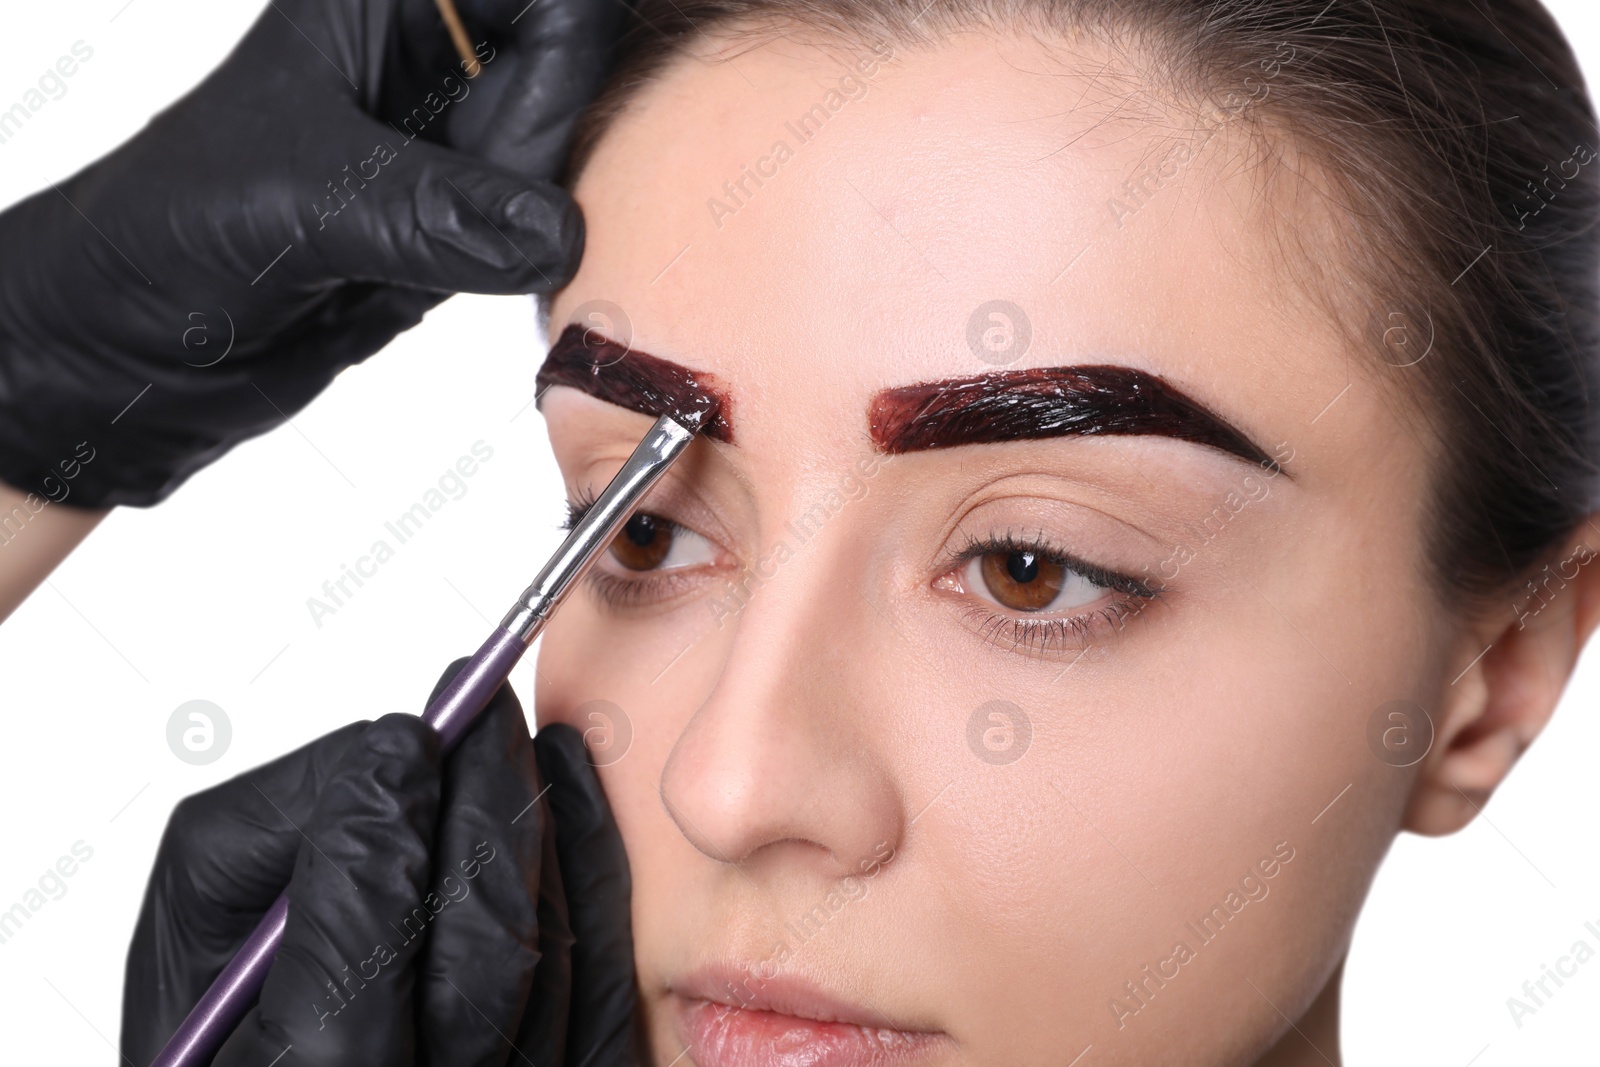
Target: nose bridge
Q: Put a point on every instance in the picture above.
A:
(783, 748)
(834, 499)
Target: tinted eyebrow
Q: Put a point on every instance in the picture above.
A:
(1039, 402)
(629, 377)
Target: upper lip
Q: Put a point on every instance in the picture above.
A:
(784, 994)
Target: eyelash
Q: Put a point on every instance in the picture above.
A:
(1044, 636)
(1037, 635)
(578, 508)
(623, 592)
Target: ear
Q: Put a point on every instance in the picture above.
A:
(1504, 695)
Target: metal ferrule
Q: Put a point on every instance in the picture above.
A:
(598, 527)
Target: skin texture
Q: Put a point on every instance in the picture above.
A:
(802, 696)
(35, 536)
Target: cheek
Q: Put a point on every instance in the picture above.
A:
(1151, 787)
(635, 663)
(641, 667)
(631, 686)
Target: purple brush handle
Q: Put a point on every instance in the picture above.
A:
(208, 1025)
(239, 984)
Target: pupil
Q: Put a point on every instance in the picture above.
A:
(641, 530)
(1023, 567)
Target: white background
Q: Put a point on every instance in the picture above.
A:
(205, 598)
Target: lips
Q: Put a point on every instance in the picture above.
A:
(788, 1023)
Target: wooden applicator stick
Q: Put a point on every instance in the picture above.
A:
(458, 34)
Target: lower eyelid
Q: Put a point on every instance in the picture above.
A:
(1069, 630)
(1049, 635)
(620, 587)
(657, 587)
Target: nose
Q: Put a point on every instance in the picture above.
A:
(787, 756)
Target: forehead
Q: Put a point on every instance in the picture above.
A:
(817, 223)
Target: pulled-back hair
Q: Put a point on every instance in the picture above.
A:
(1462, 151)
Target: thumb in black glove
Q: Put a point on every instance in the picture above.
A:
(431, 920)
(335, 178)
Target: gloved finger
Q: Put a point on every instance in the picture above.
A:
(540, 95)
(599, 889)
(540, 64)
(557, 58)
(341, 990)
(427, 217)
(224, 857)
(478, 967)
(542, 1037)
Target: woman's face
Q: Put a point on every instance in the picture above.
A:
(990, 750)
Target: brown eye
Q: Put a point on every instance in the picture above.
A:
(643, 543)
(1022, 581)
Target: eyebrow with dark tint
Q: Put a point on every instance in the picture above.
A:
(1039, 402)
(628, 377)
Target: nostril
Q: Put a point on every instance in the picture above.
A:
(760, 798)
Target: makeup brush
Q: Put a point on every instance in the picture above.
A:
(458, 35)
(211, 1021)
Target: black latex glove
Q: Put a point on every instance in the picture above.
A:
(526, 937)
(214, 230)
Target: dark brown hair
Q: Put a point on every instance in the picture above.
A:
(1462, 150)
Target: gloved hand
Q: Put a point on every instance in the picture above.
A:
(437, 915)
(334, 179)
